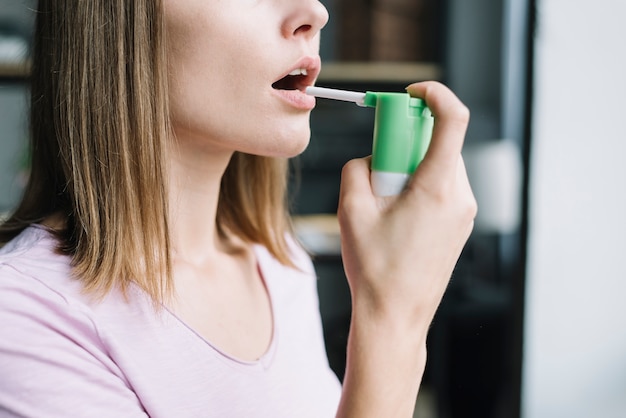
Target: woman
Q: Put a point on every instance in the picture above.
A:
(150, 269)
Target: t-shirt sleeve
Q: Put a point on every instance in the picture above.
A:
(52, 361)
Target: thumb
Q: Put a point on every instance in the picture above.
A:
(451, 120)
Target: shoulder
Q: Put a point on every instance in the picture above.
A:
(30, 265)
(34, 247)
(49, 341)
(37, 284)
(36, 289)
(40, 303)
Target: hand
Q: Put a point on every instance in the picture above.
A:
(399, 252)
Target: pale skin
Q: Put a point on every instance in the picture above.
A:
(398, 253)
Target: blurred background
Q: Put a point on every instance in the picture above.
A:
(534, 321)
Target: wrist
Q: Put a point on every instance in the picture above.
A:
(385, 364)
(393, 317)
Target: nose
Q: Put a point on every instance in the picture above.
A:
(305, 18)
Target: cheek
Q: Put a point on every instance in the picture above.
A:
(199, 94)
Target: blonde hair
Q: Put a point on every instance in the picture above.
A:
(99, 141)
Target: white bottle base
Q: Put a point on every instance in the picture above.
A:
(388, 184)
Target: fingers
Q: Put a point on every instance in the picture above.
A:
(440, 167)
(355, 183)
(451, 120)
(356, 173)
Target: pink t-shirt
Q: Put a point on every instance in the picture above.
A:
(63, 355)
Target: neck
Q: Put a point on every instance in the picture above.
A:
(194, 186)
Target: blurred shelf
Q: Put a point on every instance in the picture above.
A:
(14, 69)
(319, 234)
(379, 72)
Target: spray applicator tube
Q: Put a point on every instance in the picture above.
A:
(402, 131)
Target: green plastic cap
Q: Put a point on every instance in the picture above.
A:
(402, 130)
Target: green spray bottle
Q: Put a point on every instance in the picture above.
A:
(402, 130)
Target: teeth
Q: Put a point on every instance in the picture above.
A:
(299, 71)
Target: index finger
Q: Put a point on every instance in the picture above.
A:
(451, 120)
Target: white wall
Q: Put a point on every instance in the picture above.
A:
(575, 331)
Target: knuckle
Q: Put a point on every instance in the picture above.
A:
(347, 167)
(461, 113)
(341, 209)
(351, 165)
(468, 207)
(463, 204)
(471, 209)
(348, 205)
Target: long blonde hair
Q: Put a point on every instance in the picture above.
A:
(99, 138)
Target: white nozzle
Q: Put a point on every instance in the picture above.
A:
(346, 96)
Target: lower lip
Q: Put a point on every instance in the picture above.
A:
(297, 99)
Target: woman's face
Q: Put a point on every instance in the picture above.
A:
(229, 72)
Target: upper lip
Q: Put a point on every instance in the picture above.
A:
(312, 65)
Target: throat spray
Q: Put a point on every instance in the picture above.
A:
(402, 130)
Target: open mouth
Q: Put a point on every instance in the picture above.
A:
(298, 79)
(291, 86)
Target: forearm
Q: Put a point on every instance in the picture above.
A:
(385, 364)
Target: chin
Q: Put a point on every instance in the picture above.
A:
(282, 138)
(286, 144)
(297, 140)
(289, 148)
(298, 145)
